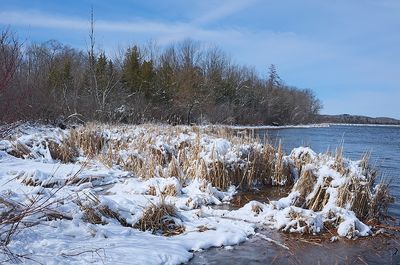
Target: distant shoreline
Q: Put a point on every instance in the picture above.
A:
(355, 119)
(364, 124)
(323, 121)
(305, 126)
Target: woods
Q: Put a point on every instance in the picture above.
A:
(183, 83)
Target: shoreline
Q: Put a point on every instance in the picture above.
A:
(305, 126)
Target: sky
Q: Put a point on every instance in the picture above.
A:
(346, 51)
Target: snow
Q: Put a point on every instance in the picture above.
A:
(72, 240)
(301, 152)
(57, 242)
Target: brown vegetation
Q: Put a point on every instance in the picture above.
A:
(357, 193)
(96, 213)
(259, 166)
(160, 218)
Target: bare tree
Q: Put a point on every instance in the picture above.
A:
(100, 89)
(10, 57)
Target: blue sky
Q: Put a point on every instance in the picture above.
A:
(348, 52)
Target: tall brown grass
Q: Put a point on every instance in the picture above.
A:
(184, 161)
(367, 201)
(137, 149)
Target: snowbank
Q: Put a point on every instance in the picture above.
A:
(86, 194)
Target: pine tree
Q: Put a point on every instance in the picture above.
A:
(147, 76)
(131, 70)
(273, 78)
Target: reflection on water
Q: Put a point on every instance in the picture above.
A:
(303, 250)
(383, 142)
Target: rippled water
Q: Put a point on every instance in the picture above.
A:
(382, 141)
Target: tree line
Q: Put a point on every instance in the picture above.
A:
(184, 83)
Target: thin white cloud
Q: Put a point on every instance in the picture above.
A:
(35, 19)
(277, 47)
(166, 31)
(228, 8)
(162, 32)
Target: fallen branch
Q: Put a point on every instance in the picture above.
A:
(272, 241)
(92, 251)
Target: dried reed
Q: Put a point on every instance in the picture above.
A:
(160, 218)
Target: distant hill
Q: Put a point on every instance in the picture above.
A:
(356, 119)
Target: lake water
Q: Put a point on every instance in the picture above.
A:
(384, 145)
(382, 141)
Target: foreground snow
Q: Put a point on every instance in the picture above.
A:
(60, 232)
(66, 241)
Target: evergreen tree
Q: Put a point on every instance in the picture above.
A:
(273, 78)
(147, 76)
(131, 70)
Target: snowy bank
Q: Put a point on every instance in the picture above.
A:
(144, 194)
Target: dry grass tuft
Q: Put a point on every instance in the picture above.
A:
(357, 193)
(28, 181)
(152, 191)
(92, 215)
(66, 152)
(89, 139)
(134, 164)
(260, 167)
(380, 202)
(256, 208)
(33, 180)
(20, 150)
(281, 170)
(160, 218)
(320, 198)
(367, 203)
(78, 180)
(304, 186)
(217, 174)
(301, 160)
(339, 165)
(169, 190)
(300, 223)
(96, 213)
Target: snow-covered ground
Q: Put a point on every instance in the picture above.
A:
(90, 209)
